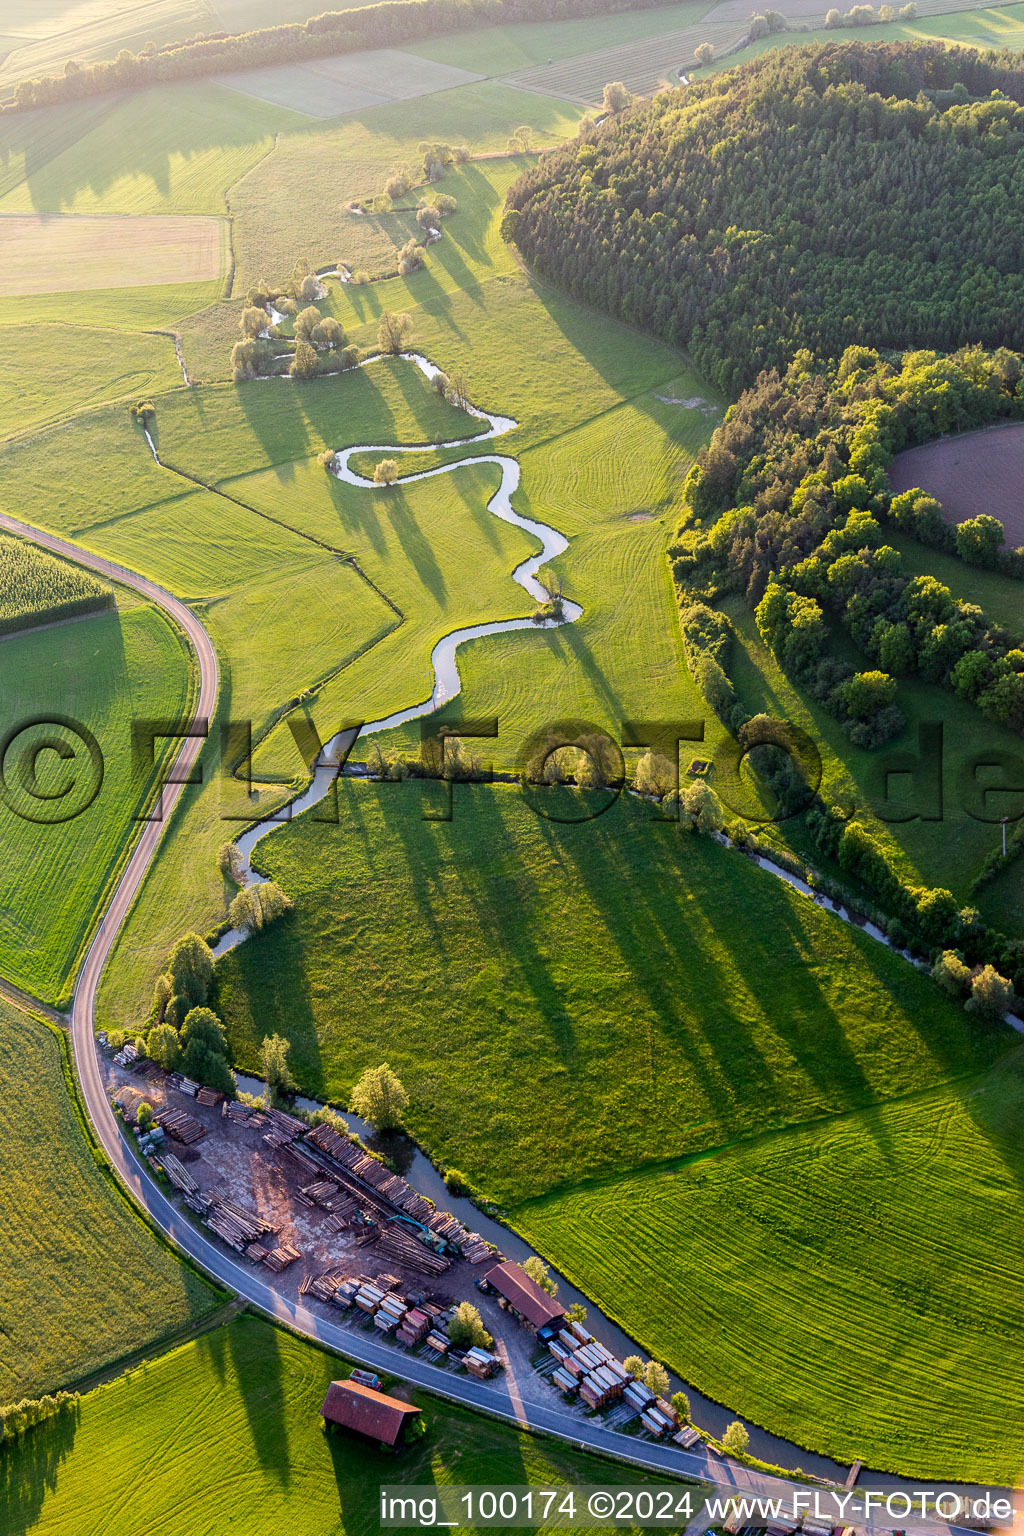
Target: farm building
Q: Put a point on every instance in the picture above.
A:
(374, 1414)
(523, 1296)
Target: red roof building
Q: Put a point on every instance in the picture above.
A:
(373, 1414)
(524, 1296)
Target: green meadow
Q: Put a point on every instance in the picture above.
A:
(230, 1424)
(562, 1001)
(84, 1281)
(855, 1284)
(104, 671)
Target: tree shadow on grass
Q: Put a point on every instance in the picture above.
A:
(255, 1351)
(29, 1472)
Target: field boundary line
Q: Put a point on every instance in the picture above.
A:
(166, 1344)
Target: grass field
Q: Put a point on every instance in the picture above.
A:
(165, 150)
(43, 252)
(869, 1265)
(70, 367)
(611, 992)
(84, 1281)
(103, 671)
(253, 1393)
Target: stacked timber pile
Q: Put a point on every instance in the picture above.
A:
(286, 1125)
(659, 1417)
(368, 1297)
(238, 1228)
(438, 1342)
(239, 1114)
(414, 1327)
(390, 1313)
(687, 1437)
(325, 1287)
(321, 1192)
(583, 1365)
(185, 1085)
(638, 1396)
(208, 1096)
(181, 1125)
(471, 1245)
(179, 1174)
(280, 1257)
(393, 1243)
(294, 1158)
(481, 1363)
(128, 1055)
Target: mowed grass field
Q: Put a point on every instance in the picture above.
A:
(46, 35)
(103, 671)
(70, 368)
(856, 1285)
(563, 1001)
(231, 1423)
(84, 1282)
(43, 252)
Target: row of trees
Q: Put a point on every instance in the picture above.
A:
(867, 16)
(17, 1418)
(698, 214)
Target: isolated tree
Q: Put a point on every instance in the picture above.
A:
(466, 1329)
(276, 1071)
(144, 1116)
(457, 392)
(833, 19)
(305, 320)
(520, 140)
(445, 204)
(229, 860)
(386, 472)
(394, 331)
(203, 1026)
(616, 97)
(979, 539)
(461, 154)
(540, 1274)
(681, 1404)
(379, 1097)
(326, 459)
(656, 1378)
(736, 1439)
(908, 12)
(249, 359)
(700, 808)
(256, 906)
(428, 217)
(952, 975)
(635, 1366)
(397, 184)
(577, 1313)
(655, 775)
(252, 321)
(163, 1046)
(305, 363)
(991, 994)
(439, 383)
(704, 53)
(190, 968)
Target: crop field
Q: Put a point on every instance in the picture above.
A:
(974, 473)
(37, 587)
(254, 1392)
(874, 1259)
(501, 50)
(41, 252)
(612, 991)
(103, 670)
(71, 367)
(348, 82)
(83, 1280)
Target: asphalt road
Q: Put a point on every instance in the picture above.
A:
(492, 1397)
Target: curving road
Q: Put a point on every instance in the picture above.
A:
(492, 1397)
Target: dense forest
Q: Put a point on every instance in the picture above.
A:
(815, 197)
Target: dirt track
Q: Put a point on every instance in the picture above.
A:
(979, 472)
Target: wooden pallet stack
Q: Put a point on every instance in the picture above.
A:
(687, 1437)
(178, 1174)
(438, 1343)
(181, 1125)
(414, 1327)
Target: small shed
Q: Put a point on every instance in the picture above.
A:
(374, 1414)
(523, 1296)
